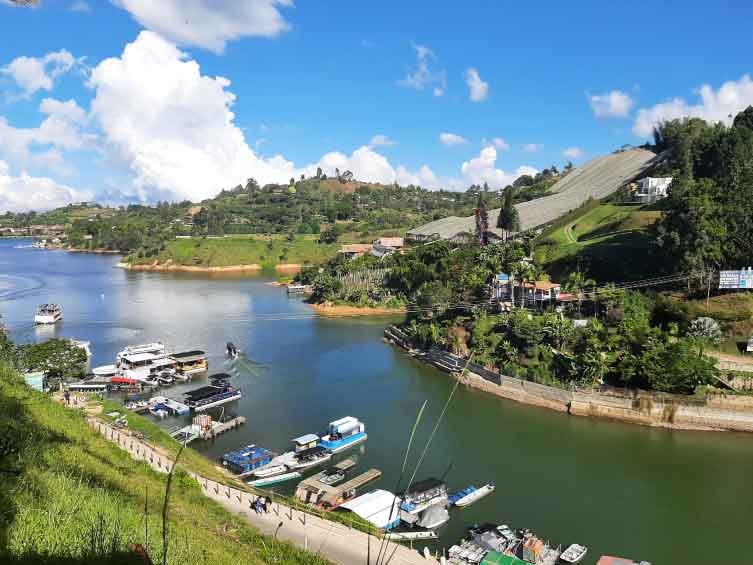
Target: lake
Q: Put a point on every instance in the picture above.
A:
(663, 496)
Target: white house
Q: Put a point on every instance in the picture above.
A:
(651, 189)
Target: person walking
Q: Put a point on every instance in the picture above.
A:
(67, 397)
(267, 504)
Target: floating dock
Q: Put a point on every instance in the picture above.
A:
(331, 496)
(203, 427)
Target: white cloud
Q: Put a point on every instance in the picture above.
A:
(482, 169)
(498, 143)
(451, 139)
(209, 23)
(424, 75)
(573, 152)
(477, 88)
(25, 192)
(380, 140)
(39, 73)
(79, 6)
(714, 106)
(614, 104)
(533, 147)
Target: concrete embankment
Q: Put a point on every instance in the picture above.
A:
(337, 542)
(717, 412)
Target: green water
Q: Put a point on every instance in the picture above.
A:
(666, 497)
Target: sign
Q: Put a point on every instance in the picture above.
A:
(503, 277)
(736, 279)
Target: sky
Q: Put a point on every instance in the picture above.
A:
(121, 101)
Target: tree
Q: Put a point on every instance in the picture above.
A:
(705, 330)
(331, 234)
(576, 282)
(319, 172)
(508, 219)
(482, 220)
(58, 358)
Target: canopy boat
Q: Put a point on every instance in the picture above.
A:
(218, 392)
(190, 362)
(247, 459)
(105, 371)
(475, 495)
(274, 480)
(48, 314)
(311, 458)
(424, 504)
(270, 470)
(574, 553)
(343, 434)
(155, 348)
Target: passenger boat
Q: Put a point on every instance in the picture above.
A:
(274, 480)
(247, 459)
(48, 314)
(141, 366)
(475, 495)
(311, 458)
(218, 392)
(343, 434)
(155, 348)
(190, 362)
(424, 504)
(574, 553)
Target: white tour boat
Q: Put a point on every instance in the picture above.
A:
(574, 554)
(48, 314)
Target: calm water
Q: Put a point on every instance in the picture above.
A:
(671, 498)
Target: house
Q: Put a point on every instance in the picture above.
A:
(539, 292)
(352, 250)
(651, 189)
(393, 242)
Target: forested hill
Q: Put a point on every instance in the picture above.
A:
(303, 206)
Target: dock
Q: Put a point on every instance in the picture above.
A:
(203, 427)
(218, 428)
(313, 491)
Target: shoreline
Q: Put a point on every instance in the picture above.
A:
(718, 413)
(174, 267)
(335, 310)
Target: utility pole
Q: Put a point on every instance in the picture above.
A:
(708, 291)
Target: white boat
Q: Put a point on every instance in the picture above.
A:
(574, 554)
(343, 434)
(410, 535)
(274, 480)
(476, 495)
(311, 458)
(48, 314)
(270, 470)
(155, 348)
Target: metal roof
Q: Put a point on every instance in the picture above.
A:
(380, 507)
(138, 357)
(303, 440)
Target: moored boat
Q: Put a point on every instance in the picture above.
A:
(270, 471)
(218, 392)
(48, 314)
(156, 348)
(247, 459)
(343, 434)
(105, 371)
(274, 480)
(190, 362)
(475, 495)
(574, 553)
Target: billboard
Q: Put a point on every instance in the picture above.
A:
(503, 278)
(736, 279)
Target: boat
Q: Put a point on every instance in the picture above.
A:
(137, 406)
(190, 362)
(232, 350)
(158, 411)
(274, 480)
(574, 553)
(425, 504)
(48, 314)
(311, 458)
(218, 392)
(169, 405)
(454, 497)
(247, 459)
(270, 471)
(165, 378)
(343, 434)
(409, 535)
(105, 371)
(474, 496)
(298, 289)
(155, 348)
(332, 478)
(141, 366)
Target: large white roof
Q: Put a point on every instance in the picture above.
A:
(139, 357)
(380, 507)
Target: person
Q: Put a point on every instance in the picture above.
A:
(268, 505)
(67, 397)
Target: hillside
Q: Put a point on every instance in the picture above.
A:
(69, 496)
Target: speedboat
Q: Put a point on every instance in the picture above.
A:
(48, 314)
(574, 554)
(232, 350)
(270, 470)
(475, 495)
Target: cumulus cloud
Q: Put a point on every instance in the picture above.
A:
(573, 152)
(39, 73)
(614, 104)
(380, 140)
(25, 192)
(478, 90)
(498, 143)
(713, 106)
(533, 147)
(482, 169)
(451, 139)
(209, 23)
(424, 75)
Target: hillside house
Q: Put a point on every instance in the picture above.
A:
(351, 250)
(651, 189)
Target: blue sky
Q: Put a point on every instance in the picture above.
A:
(512, 86)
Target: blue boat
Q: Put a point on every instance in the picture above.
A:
(453, 498)
(247, 459)
(343, 434)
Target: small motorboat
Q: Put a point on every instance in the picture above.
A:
(574, 554)
(332, 478)
(475, 495)
(311, 458)
(270, 471)
(274, 480)
(232, 350)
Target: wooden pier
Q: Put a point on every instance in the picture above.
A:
(314, 491)
(221, 427)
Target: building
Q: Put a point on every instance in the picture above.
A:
(393, 242)
(651, 189)
(352, 250)
(539, 292)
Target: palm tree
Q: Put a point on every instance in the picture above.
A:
(576, 282)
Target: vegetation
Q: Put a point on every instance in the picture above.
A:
(68, 495)
(58, 358)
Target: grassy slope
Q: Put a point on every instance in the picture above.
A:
(79, 499)
(610, 242)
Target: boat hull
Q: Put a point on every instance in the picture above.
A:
(47, 319)
(274, 480)
(343, 444)
(475, 496)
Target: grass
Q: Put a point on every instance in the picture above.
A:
(609, 241)
(69, 496)
(266, 251)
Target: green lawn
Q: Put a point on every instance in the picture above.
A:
(610, 242)
(69, 496)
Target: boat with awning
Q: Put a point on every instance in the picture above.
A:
(218, 392)
(190, 362)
